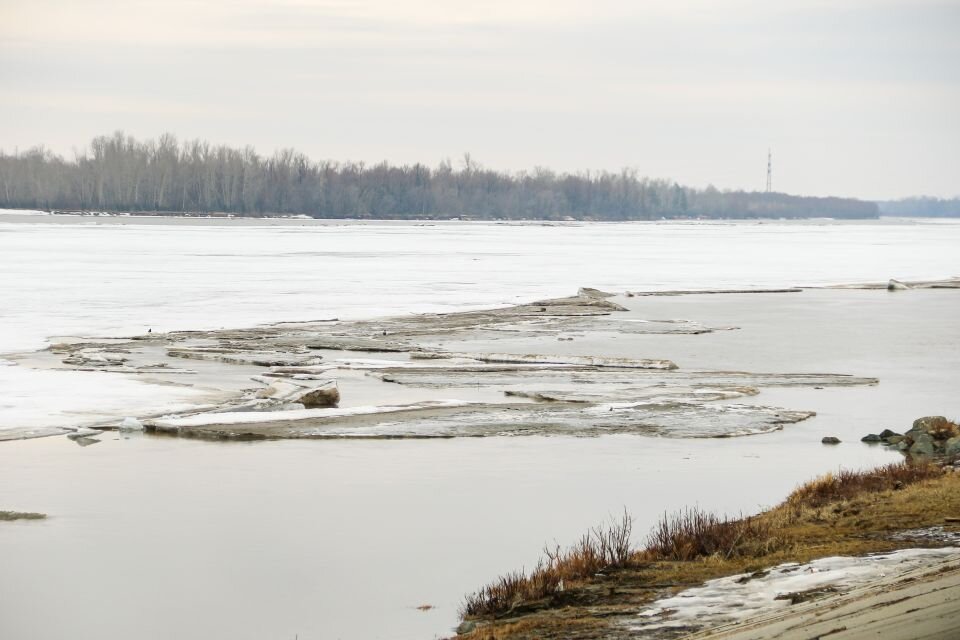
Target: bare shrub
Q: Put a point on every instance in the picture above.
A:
(694, 533)
(601, 548)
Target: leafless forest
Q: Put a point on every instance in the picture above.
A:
(121, 173)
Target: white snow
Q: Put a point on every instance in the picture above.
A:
(23, 212)
(733, 598)
(35, 402)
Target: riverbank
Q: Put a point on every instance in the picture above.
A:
(655, 591)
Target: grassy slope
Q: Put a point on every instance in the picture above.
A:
(848, 514)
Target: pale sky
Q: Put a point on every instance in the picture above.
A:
(854, 97)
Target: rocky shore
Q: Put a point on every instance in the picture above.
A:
(929, 437)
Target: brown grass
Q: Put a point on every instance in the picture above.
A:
(944, 430)
(600, 549)
(845, 485)
(694, 533)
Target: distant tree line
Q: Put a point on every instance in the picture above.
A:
(120, 173)
(921, 208)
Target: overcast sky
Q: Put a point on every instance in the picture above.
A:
(854, 97)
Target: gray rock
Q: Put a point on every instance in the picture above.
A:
(466, 627)
(923, 438)
(892, 440)
(871, 437)
(922, 447)
(913, 434)
(831, 440)
(886, 434)
(952, 447)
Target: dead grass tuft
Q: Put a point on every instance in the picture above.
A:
(601, 548)
(944, 430)
(694, 533)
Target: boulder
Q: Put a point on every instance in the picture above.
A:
(923, 445)
(892, 440)
(831, 440)
(871, 437)
(924, 438)
(327, 395)
(886, 434)
(922, 449)
(952, 446)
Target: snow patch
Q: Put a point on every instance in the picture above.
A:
(43, 402)
(736, 598)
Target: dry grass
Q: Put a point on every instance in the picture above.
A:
(845, 513)
(694, 533)
(845, 485)
(601, 549)
(944, 429)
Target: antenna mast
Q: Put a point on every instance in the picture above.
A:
(769, 171)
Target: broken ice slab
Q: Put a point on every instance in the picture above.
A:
(590, 377)
(537, 358)
(257, 358)
(619, 393)
(451, 419)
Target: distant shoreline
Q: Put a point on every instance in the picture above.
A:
(223, 216)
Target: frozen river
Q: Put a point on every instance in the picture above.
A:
(120, 276)
(155, 537)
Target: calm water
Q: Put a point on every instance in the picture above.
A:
(159, 538)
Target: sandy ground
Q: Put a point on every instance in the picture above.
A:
(919, 604)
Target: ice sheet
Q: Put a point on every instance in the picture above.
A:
(108, 276)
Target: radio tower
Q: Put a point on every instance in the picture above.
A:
(769, 171)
